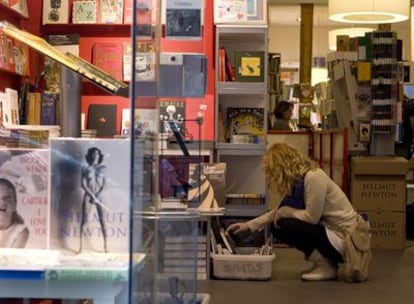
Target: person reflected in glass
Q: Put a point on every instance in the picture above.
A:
(13, 231)
(283, 114)
(92, 183)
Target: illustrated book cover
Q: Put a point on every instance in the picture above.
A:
(85, 11)
(183, 19)
(208, 185)
(102, 118)
(55, 12)
(240, 12)
(249, 66)
(25, 172)
(144, 61)
(171, 110)
(90, 194)
(107, 56)
(48, 108)
(145, 122)
(110, 11)
(245, 125)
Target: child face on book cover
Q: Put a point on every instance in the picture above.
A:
(7, 205)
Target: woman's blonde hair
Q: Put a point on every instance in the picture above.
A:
(284, 165)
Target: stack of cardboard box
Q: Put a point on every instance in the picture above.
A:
(378, 189)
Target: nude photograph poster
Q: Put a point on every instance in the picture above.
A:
(90, 190)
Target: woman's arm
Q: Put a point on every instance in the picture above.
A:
(315, 195)
(260, 222)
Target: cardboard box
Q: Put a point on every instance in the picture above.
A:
(387, 229)
(379, 183)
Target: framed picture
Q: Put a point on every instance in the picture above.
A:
(240, 12)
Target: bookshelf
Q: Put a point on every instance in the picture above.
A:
(242, 148)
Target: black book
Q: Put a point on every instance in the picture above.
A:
(102, 118)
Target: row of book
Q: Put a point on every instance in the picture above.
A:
(14, 55)
(98, 11)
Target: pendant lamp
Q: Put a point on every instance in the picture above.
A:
(369, 11)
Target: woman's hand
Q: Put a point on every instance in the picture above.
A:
(237, 228)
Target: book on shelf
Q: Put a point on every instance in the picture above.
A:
(33, 108)
(171, 109)
(207, 185)
(145, 122)
(89, 195)
(19, 6)
(144, 19)
(48, 108)
(9, 43)
(85, 11)
(245, 125)
(240, 12)
(107, 56)
(10, 103)
(102, 118)
(110, 11)
(144, 61)
(55, 12)
(73, 62)
(26, 170)
(183, 19)
(249, 66)
(21, 58)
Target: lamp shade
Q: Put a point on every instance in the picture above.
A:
(369, 11)
(351, 32)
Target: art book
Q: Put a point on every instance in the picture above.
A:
(90, 194)
(245, 125)
(172, 110)
(145, 122)
(111, 11)
(26, 171)
(249, 66)
(48, 108)
(240, 11)
(183, 19)
(208, 185)
(144, 61)
(55, 12)
(107, 56)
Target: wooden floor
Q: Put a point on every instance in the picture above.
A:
(391, 281)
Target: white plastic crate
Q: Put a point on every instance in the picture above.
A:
(243, 266)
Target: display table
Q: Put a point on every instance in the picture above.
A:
(101, 277)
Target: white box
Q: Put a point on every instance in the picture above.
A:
(242, 266)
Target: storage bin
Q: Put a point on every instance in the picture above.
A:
(242, 266)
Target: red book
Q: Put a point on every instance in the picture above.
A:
(221, 63)
(229, 68)
(108, 57)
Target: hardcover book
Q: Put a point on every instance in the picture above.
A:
(245, 125)
(55, 12)
(183, 19)
(249, 66)
(208, 185)
(107, 56)
(144, 61)
(84, 11)
(48, 106)
(240, 11)
(145, 122)
(26, 171)
(172, 110)
(21, 58)
(33, 108)
(11, 107)
(111, 11)
(102, 118)
(90, 194)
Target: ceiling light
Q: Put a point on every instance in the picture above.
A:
(351, 32)
(369, 11)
